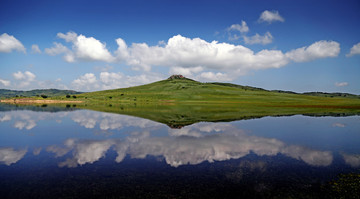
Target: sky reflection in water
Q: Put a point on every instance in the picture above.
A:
(85, 137)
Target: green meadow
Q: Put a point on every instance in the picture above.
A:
(180, 102)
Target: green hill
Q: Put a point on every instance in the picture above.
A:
(179, 101)
(38, 92)
(187, 91)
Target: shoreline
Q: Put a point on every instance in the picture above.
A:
(37, 101)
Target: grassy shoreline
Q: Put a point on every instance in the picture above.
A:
(180, 102)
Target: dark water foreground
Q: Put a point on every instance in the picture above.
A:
(88, 154)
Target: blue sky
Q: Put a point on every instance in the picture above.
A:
(94, 45)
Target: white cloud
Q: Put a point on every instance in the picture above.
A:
(68, 37)
(258, 39)
(28, 76)
(9, 43)
(189, 56)
(181, 52)
(112, 80)
(87, 81)
(35, 49)
(10, 156)
(189, 53)
(341, 84)
(188, 72)
(24, 78)
(355, 50)
(5, 82)
(243, 28)
(320, 49)
(270, 16)
(210, 76)
(58, 48)
(85, 48)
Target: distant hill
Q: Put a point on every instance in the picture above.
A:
(37, 92)
(178, 88)
(179, 101)
(323, 94)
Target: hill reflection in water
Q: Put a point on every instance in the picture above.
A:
(259, 156)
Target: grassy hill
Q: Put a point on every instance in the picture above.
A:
(180, 101)
(187, 91)
(38, 92)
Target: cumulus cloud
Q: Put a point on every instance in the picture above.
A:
(341, 84)
(355, 50)
(211, 76)
(85, 48)
(112, 80)
(189, 53)
(27, 81)
(270, 16)
(258, 39)
(182, 53)
(243, 28)
(87, 81)
(320, 49)
(35, 49)
(9, 43)
(58, 48)
(27, 75)
(10, 156)
(189, 56)
(25, 78)
(68, 37)
(4, 82)
(188, 72)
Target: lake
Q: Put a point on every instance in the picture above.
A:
(47, 152)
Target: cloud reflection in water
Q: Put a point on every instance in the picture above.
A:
(190, 146)
(10, 156)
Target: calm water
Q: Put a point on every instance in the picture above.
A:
(86, 154)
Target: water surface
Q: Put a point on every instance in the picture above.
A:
(69, 153)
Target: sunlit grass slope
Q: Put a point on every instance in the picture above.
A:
(180, 102)
(187, 91)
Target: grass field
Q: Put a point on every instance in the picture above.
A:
(180, 102)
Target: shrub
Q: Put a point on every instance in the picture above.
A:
(44, 96)
(68, 96)
(74, 96)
